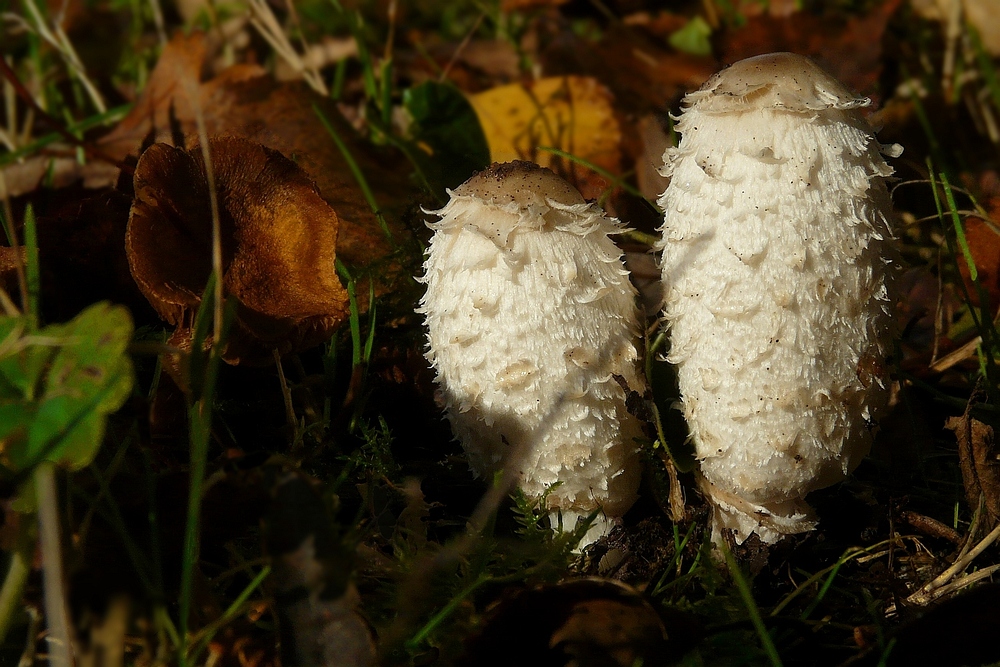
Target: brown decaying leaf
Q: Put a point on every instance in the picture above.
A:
(577, 622)
(11, 260)
(523, 5)
(244, 101)
(642, 73)
(984, 244)
(849, 47)
(277, 235)
(977, 456)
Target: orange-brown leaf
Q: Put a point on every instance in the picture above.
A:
(277, 237)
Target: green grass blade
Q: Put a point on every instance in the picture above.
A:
(32, 269)
(355, 314)
(339, 74)
(231, 612)
(98, 120)
(616, 181)
(356, 171)
(200, 429)
(369, 344)
(385, 100)
(446, 611)
(752, 610)
(11, 594)
(956, 222)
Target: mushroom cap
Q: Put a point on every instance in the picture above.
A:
(786, 81)
(519, 182)
(278, 239)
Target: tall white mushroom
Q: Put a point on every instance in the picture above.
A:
(777, 266)
(530, 318)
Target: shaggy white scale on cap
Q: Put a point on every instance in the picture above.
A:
(777, 265)
(531, 316)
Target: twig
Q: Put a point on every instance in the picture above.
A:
(264, 20)
(932, 590)
(957, 356)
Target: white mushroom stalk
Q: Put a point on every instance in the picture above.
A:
(777, 264)
(531, 324)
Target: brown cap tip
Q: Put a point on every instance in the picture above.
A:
(775, 81)
(521, 182)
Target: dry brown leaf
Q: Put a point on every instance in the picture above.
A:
(524, 5)
(849, 47)
(644, 75)
(653, 144)
(11, 260)
(574, 114)
(984, 244)
(278, 238)
(244, 101)
(576, 622)
(977, 456)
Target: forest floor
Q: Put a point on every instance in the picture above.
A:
(294, 494)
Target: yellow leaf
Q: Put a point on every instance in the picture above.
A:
(571, 113)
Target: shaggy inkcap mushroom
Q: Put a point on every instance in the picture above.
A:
(531, 317)
(777, 267)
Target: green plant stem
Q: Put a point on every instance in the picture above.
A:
(445, 612)
(356, 171)
(200, 428)
(200, 419)
(615, 180)
(52, 569)
(13, 587)
(231, 612)
(33, 272)
(752, 610)
(111, 116)
(956, 222)
(355, 312)
(832, 570)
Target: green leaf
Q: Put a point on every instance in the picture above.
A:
(70, 376)
(446, 128)
(23, 357)
(693, 38)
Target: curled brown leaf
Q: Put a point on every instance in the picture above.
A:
(278, 239)
(977, 456)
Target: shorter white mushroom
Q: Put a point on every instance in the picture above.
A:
(531, 323)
